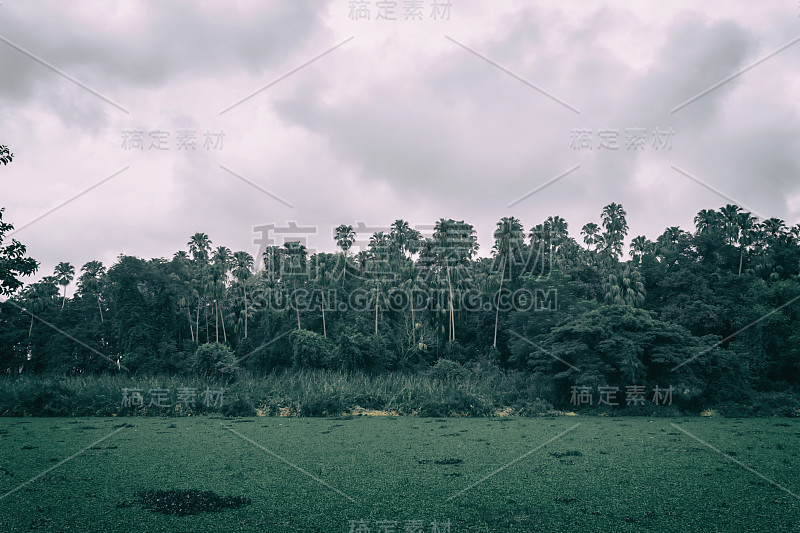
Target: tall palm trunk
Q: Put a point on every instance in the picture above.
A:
(413, 322)
(191, 326)
(324, 328)
(100, 308)
(452, 335)
(497, 312)
(296, 307)
(64, 299)
(244, 288)
(197, 323)
(30, 329)
(216, 322)
(222, 316)
(205, 314)
(741, 256)
(377, 293)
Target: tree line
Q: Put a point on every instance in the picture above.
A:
(710, 311)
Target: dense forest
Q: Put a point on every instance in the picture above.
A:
(709, 312)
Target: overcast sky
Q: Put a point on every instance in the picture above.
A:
(470, 114)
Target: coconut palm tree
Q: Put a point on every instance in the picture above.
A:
(242, 270)
(411, 282)
(590, 234)
(380, 245)
(616, 228)
(707, 220)
(295, 255)
(39, 295)
(345, 237)
(200, 247)
(64, 273)
(639, 247)
(455, 243)
(747, 225)
(323, 267)
(508, 237)
(89, 281)
(222, 258)
(729, 216)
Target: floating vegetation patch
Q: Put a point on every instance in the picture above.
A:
(188, 502)
(569, 453)
(449, 461)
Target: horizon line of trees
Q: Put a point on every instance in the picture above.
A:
(710, 312)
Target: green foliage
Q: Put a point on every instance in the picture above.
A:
(709, 312)
(447, 370)
(215, 360)
(311, 350)
(5, 155)
(13, 263)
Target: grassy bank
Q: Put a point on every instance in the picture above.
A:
(438, 392)
(302, 393)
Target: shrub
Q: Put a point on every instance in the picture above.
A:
(310, 349)
(215, 360)
(238, 407)
(447, 370)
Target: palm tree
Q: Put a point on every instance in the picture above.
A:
(747, 224)
(409, 277)
(508, 237)
(590, 232)
(380, 245)
(455, 243)
(707, 220)
(345, 237)
(64, 273)
(616, 228)
(296, 255)
(222, 262)
(730, 219)
(38, 295)
(559, 231)
(323, 265)
(89, 281)
(640, 246)
(774, 228)
(200, 247)
(405, 239)
(625, 288)
(242, 270)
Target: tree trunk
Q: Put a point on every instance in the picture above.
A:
(297, 308)
(216, 322)
(413, 322)
(30, 330)
(100, 308)
(244, 288)
(452, 335)
(205, 314)
(197, 323)
(191, 328)
(224, 334)
(497, 313)
(324, 328)
(64, 299)
(741, 256)
(377, 291)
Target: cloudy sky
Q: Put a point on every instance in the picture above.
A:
(147, 122)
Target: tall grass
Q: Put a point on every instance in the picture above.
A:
(301, 393)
